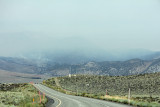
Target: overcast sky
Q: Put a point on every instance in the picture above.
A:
(40, 25)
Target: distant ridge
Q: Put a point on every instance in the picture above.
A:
(112, 68)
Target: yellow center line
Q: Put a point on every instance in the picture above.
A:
(60, 102)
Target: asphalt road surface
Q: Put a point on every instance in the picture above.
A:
(63, 100)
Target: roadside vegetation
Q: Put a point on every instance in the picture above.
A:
(144, 88)
(20, 95)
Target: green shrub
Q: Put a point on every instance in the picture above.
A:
(83, 94)
(140, 86)
(21, 98)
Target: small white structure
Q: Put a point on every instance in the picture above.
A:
(69, 75)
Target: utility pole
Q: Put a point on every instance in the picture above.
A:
(77, 92)
(106, 91)
(91, 92)
(129, 96)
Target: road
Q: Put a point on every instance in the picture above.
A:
(63, 100)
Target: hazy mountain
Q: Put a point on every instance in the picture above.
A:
(129, 67)
(55, 64)
(19, 70)
(155, 55)
(82, 56)
(18, 65)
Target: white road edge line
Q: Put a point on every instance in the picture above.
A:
(60, 102)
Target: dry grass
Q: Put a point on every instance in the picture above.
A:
(21, 97)
(115, 97)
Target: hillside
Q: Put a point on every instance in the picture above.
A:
(112, 68)
(18, 70)
(146, 84)
(144, 87)
(18, 65)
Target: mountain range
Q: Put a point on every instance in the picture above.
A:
(50, 67)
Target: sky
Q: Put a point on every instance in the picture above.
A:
(78, 25)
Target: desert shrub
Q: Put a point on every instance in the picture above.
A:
(83, 94)
(145, 87)
(21, 98)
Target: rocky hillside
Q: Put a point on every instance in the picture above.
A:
(113, 68)
(140, 85)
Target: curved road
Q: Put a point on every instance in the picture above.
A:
(63, 100)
